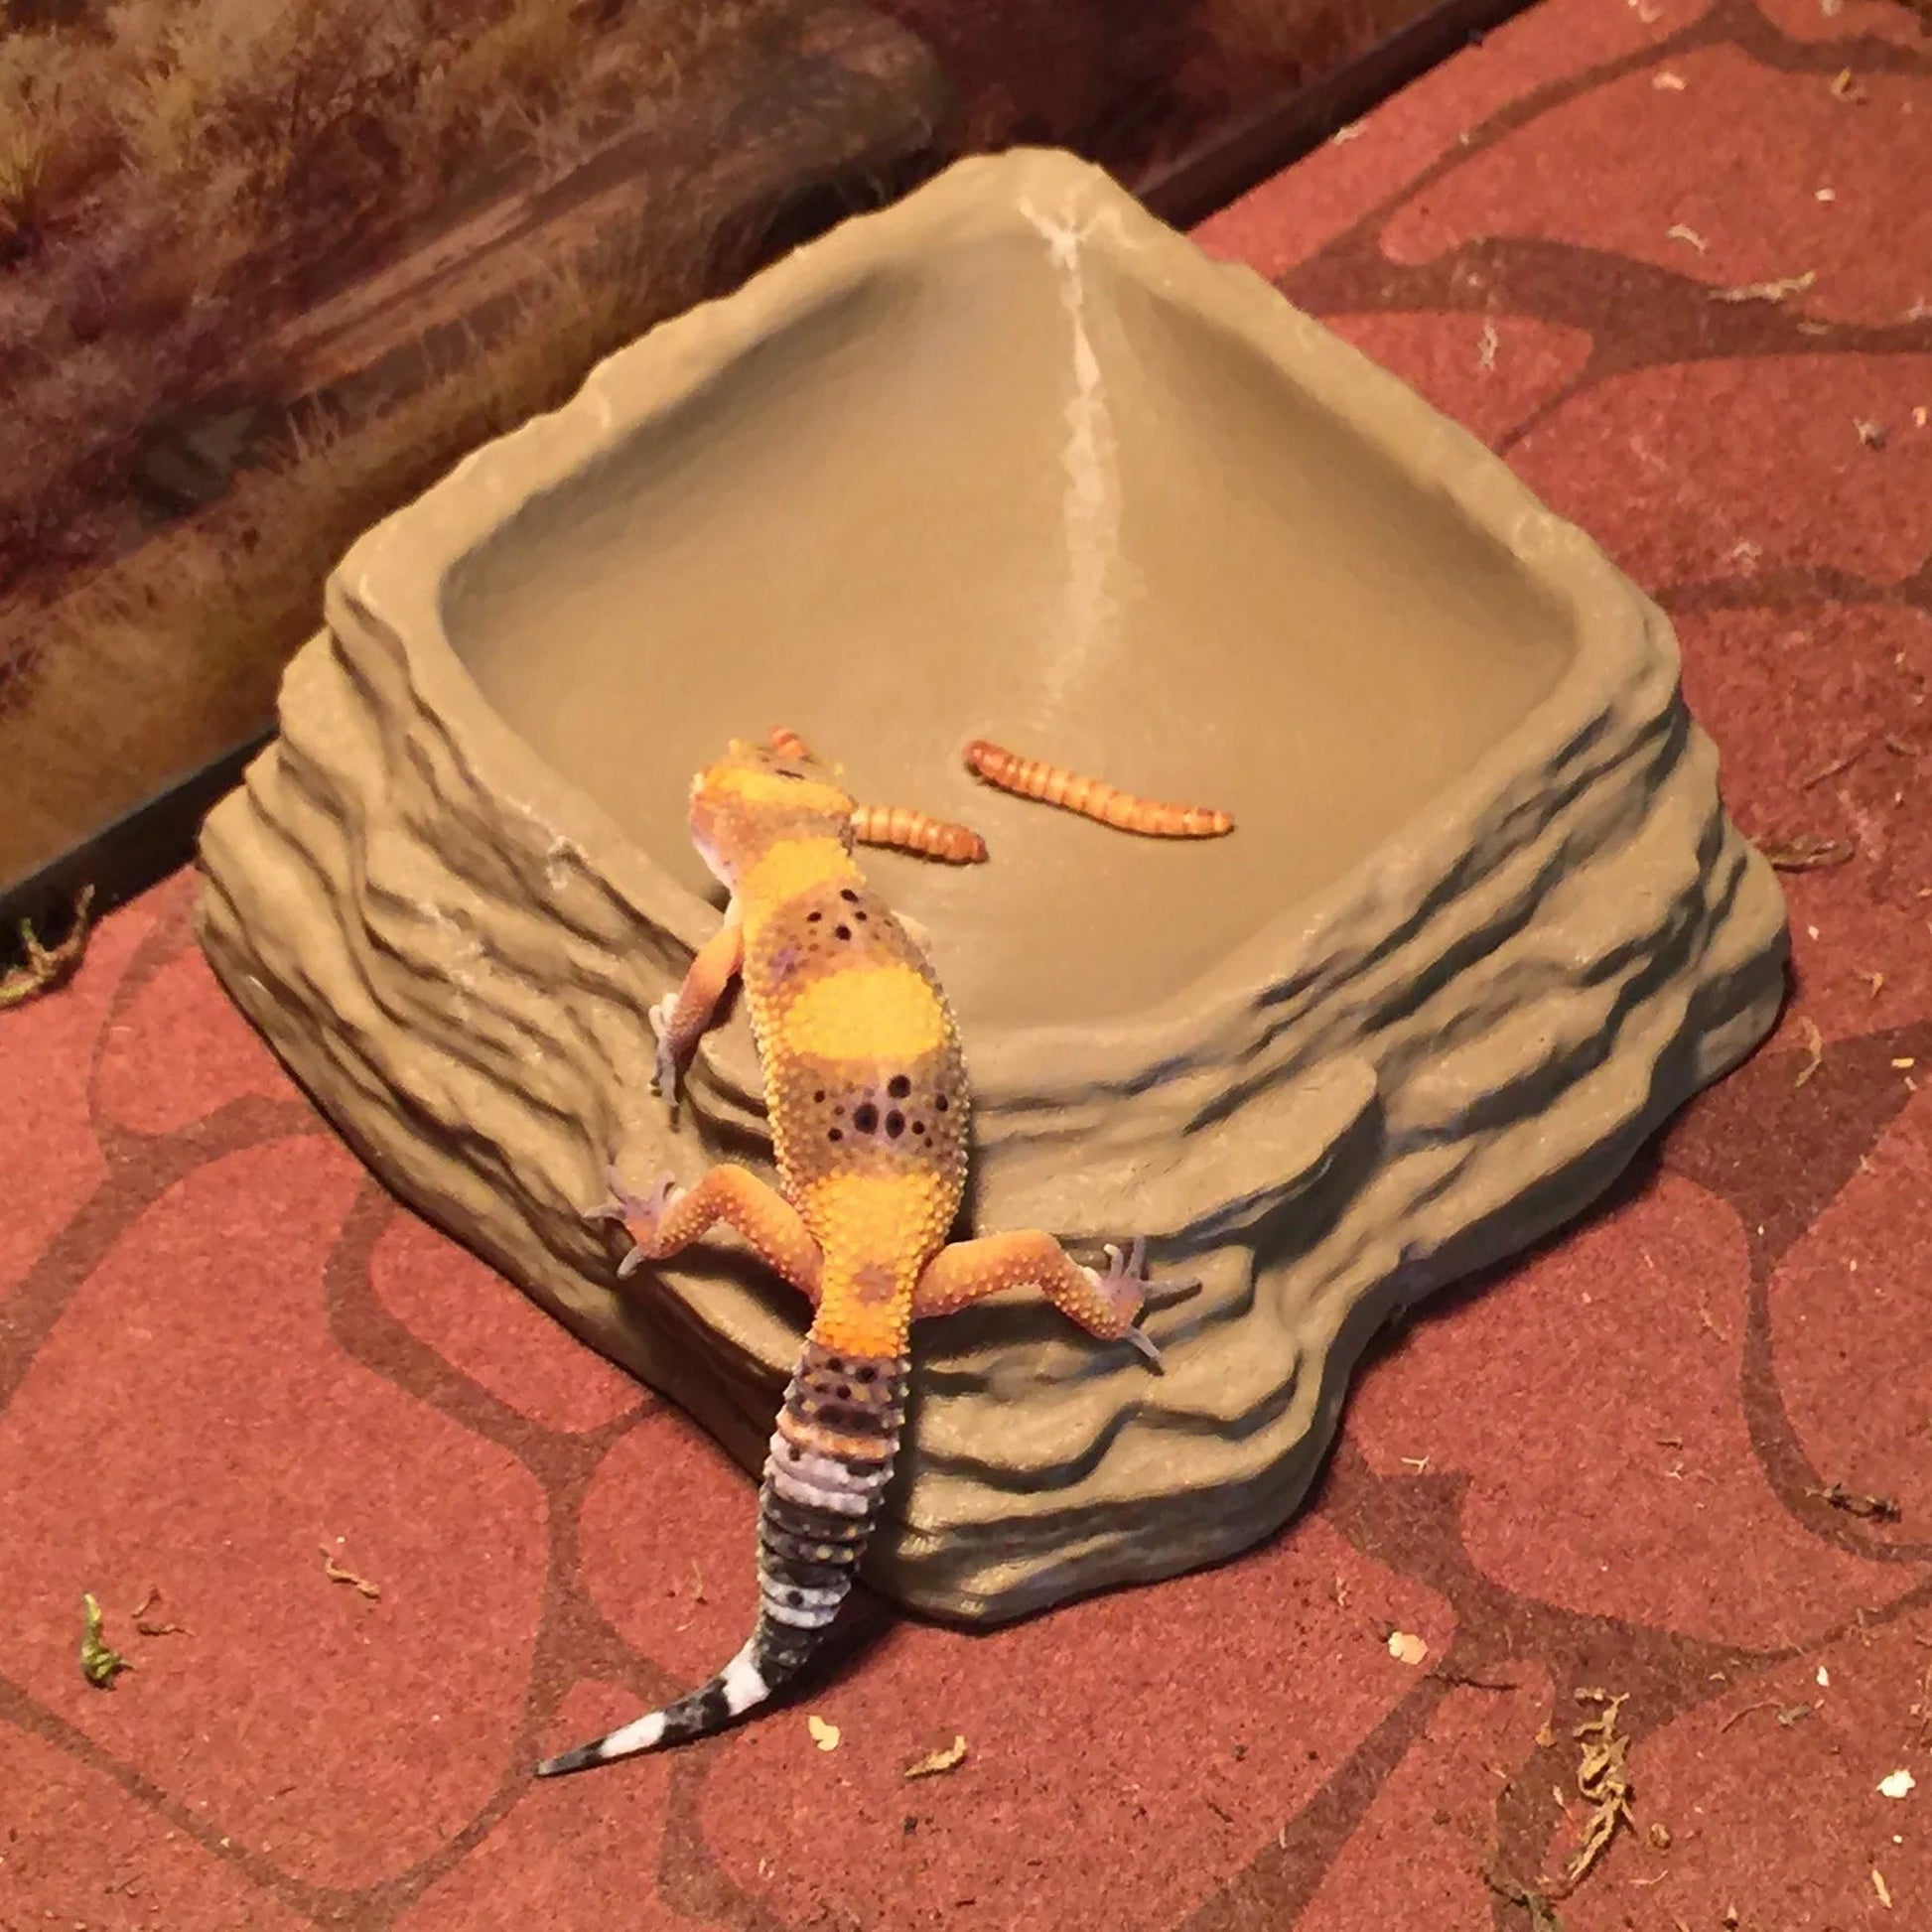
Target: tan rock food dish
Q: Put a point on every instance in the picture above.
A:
(1012, 459)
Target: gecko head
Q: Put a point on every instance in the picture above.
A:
(759, 794)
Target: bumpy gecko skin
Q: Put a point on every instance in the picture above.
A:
(867, 1094)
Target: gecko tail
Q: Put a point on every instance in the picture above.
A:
(825, 1478)
(741, 1686)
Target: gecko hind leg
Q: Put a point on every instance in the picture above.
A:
(1106, 1304)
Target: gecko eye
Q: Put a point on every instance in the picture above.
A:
(785, 771)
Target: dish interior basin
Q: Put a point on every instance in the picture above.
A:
(1012, 488)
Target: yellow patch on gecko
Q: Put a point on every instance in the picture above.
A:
(799, 794)
(791, 867)
(876, 1014)
(875, 1230)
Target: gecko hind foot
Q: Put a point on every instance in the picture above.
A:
(1125, 1288)
(639, 1215)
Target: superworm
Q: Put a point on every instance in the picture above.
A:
(907, 830)
(1073, 791)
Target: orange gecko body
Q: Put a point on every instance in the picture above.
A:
(869, 1106)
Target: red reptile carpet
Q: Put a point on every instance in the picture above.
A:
(224, 1351)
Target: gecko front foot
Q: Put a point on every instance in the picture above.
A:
(1125, 1288)
(664, 1069)
(639, 1214)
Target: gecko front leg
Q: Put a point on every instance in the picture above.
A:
(679, 1019)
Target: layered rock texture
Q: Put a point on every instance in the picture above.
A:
(1012, 459)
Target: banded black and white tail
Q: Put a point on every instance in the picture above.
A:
(830, 1459)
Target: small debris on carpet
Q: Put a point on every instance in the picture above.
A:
(1897, 1784)
(1667, 82)
(1543, 1915)
(1880, 1886)
(1775, 290)
(1602, 1781)
(99, 1664)
(1879, 1509)
(1832, 770)
(825, 1736)
(1871, 434)
(1845, 87)
(337, 1573)
(1806, 852)
(47, 967)
(1813, 1042)
(948, 1757)
(1406, 1647)
(1679, 231)
(148, 1626)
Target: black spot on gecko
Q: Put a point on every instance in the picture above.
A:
(819, 1096)
(864, 1372)
(835, 1134)
(812, 918)
(843, 931)
(919, 1127)
(864, 1117)
(940, 1103)
(896, 1122)
(899, 1086)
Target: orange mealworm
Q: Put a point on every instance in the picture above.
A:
(1072, 791)
(907, 830)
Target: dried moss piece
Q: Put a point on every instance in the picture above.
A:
(47, 966)
(1602, 1781)
(99, 1664)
